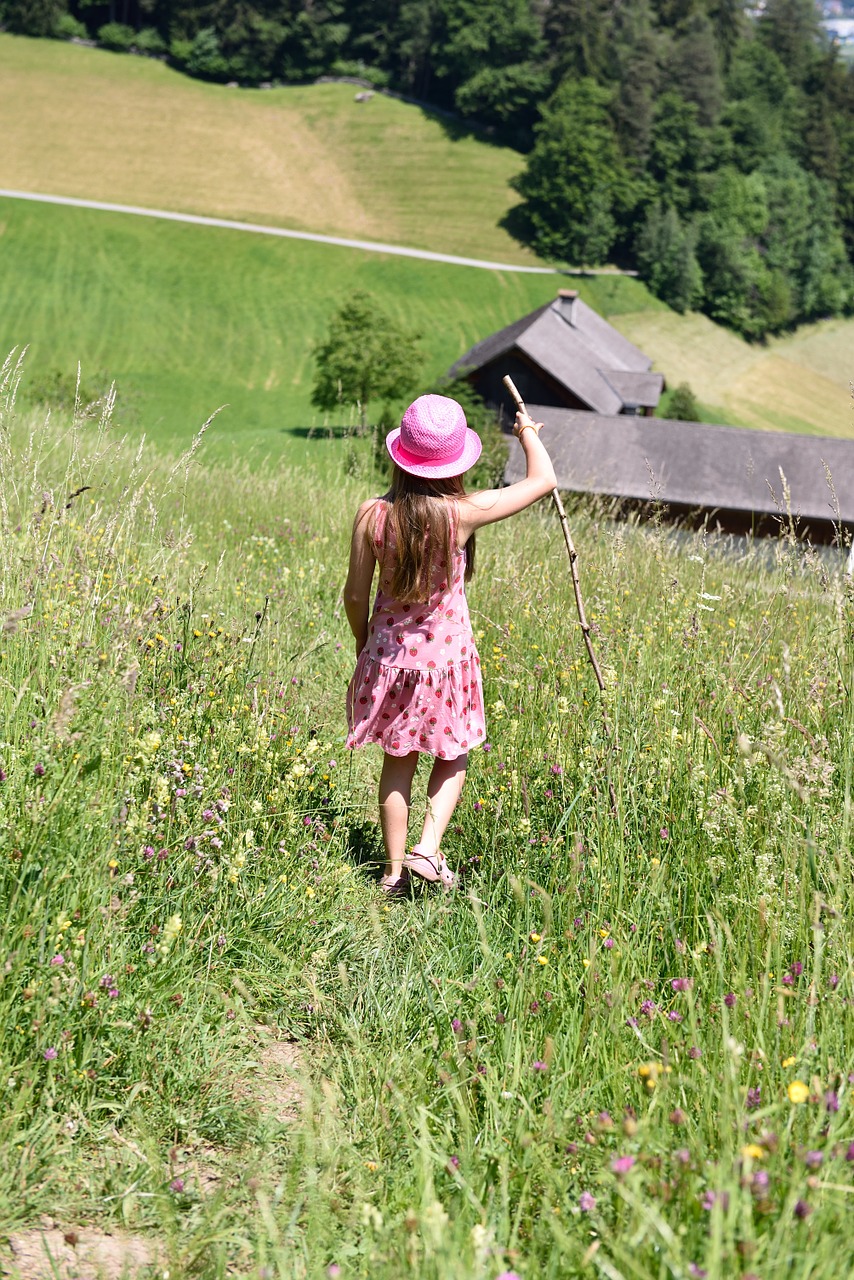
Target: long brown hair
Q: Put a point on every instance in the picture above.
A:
(419, 516)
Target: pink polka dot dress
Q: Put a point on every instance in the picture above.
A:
(417, 684)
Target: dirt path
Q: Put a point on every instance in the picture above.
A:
(57, 1251)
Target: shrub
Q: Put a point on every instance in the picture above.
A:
(116, 36)
(206, 58)
(67, 27)
(683, 404)
(149, 41)
(358, 71)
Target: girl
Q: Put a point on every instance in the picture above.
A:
(417, 685)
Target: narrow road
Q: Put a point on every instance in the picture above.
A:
(369, 246)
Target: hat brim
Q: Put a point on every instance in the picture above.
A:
(440, 469)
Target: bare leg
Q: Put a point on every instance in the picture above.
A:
(443, 792)
(395, 798)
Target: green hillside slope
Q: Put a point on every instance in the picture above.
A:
(103, 126)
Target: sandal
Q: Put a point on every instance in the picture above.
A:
(396, 888)
(431, 868)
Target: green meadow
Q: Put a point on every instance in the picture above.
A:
(620, 1049)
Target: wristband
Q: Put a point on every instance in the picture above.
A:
(529, 426)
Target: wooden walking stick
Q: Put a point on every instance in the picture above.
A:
(576, 586)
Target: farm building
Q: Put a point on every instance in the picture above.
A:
(738, 479)
(564, 355)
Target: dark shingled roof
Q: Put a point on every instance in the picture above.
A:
(694, 466)
(580, 351)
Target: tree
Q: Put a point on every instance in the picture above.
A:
(365, 357)
(31, 17)
(575, 184)
(667, 259)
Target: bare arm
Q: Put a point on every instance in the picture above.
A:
(357, 588)
(478, 509)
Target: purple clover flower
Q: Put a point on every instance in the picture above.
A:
(622, 1164)
(681, 984)
(586, 1202)
(540, 1066)
(831, 1100)
(39, 770)
(58, 959)
(729, 999)
(802, 1210)
(177, 1185)
(674, 1016)
(814, 1159)
(754, 1097)
(49, 1054)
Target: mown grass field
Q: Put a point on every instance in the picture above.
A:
(621, 1049)
(85, 122)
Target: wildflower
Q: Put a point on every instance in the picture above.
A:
(753, 1151)
(759, 1183)
(674, 1016)
(540, 1066)
(789, 1062)
(333, 1270)
(536, 937)
(664, 833)
(802, 1210)
(677, 1116)
(177, 1185)
(796, 969)
(39, 770)
(49, 1054)
(58, 959)
(833, 981)
(814, 1159)
(648, 1008)
(542, 959)
(694, 1052)
(696, 1271)
(456, 1025)
(586, 1202)
(798, 1091)
(681, 984)
(509, 1275)
(754, 1097)
(711, 1198)
(831, 1100)
(730, 999)
(849, 1154)
(622, 1164)
(682, 1156)
(608, 944)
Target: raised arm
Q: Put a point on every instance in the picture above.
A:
(357, 588)
(478, 509)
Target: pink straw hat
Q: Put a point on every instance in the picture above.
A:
(433, 439)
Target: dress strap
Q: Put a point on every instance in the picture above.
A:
(379, 520)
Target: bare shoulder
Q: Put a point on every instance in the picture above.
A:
(362, 522)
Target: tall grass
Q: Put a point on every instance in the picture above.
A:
(622, 1048)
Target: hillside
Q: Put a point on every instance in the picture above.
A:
(84, 122)
(189, 318)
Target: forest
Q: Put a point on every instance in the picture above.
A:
(708, 147)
